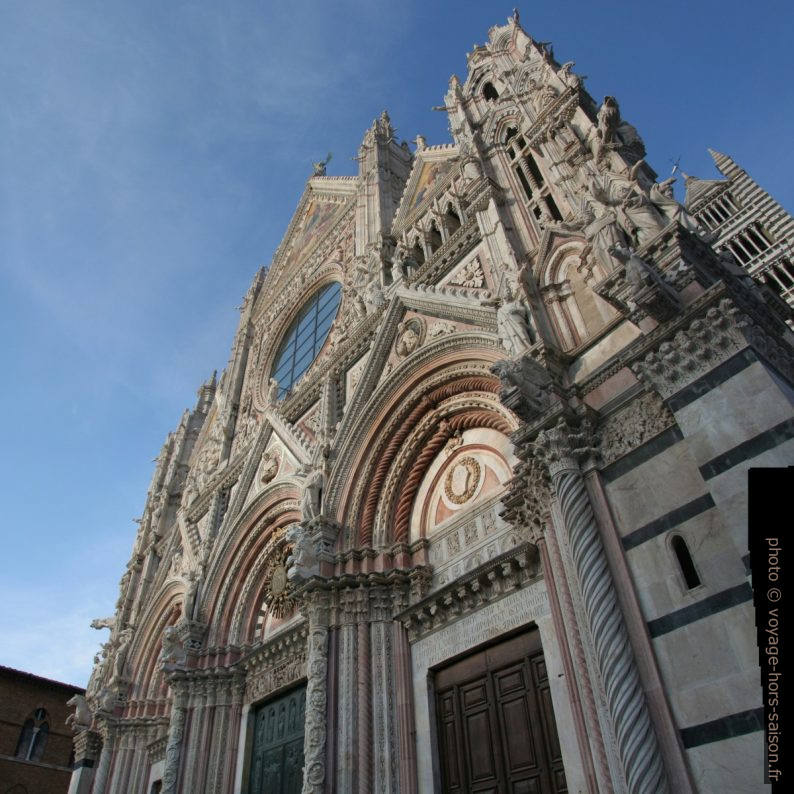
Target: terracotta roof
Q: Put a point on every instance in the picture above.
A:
(4, 669)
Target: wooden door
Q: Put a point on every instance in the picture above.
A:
(495, 722)
(277, 750)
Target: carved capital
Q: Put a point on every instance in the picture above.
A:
(528, 501)
(564, 447)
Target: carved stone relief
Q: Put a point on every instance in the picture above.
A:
(645, 418)
(410, 336)
(462, 480)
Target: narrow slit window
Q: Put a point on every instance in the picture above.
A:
(685, 562)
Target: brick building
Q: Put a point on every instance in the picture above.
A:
(36, 750)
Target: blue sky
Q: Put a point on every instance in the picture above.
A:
(151, 155)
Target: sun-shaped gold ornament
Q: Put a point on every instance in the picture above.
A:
(278, 599)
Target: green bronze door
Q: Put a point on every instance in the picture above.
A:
(277, 753)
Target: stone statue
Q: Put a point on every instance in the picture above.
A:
(373, 296)
(106, 699)
(104, 623)
(421, 143)
(649, 291)
(272, 392)
(512, 323)
(82, 716)
(357, 311)
(600, 230)
(568, 78)
(397, 272)
(173, 649)
(302, 561)
(97, 674)
(409, 337)
(635, 214)
(638, 273)
(191, 592)
(121, 652)
(661, 196)
(311, 496)
(319, 168)
(608, 119)
(529, 378)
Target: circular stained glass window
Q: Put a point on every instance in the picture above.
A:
(305, 337)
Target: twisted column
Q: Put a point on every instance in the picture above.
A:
(316, 604)
(637, 745)
(176, 730)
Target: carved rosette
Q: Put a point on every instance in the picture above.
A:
(562, 447)
(278, 592)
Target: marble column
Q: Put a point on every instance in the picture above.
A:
(85, 750)
(561, 447)
(385, 777)
(105, 757)
(316, 604)
(364, 695)
(346, 724)
(176, 729)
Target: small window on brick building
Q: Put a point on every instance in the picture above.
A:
(33, 737)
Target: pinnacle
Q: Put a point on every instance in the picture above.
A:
(719, 158)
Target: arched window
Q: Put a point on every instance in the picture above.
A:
(305, 337)
(33, 737)
(452, 220)
(417, 254)
(435, 238)
(489, 92)
(685, 562)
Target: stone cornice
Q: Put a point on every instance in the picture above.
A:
(490, 582)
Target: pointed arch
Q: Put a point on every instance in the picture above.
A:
(566, 279)
(233, 579)
(448, 381)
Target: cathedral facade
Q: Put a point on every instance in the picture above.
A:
(466, 510)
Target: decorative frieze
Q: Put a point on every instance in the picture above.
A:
(629, 428)
(694, 350)
(491, 581)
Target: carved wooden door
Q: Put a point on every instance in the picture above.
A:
(496, 723)
(277, 750)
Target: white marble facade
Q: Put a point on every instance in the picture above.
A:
(533, 376)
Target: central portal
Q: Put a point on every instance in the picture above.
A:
(496, 723)
(277, 753)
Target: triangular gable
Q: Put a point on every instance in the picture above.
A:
(696, 188)
(323, 203)
(431, 168)
(316, 220)
(430, 174)
(446, 304)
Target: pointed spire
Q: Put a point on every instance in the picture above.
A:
(725, 164)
